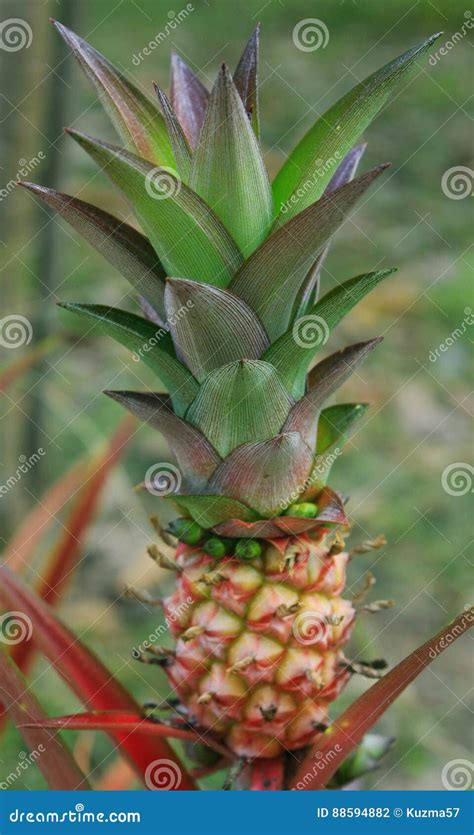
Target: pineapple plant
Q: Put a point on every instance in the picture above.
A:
(227, 279)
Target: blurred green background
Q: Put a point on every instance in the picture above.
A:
(419, 421)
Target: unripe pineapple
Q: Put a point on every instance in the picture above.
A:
(228, 281)
(258, 652)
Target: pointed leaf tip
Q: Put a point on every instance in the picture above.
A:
(133, 114)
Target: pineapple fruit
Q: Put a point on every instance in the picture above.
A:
(227, 278)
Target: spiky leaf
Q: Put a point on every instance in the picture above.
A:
(240, 402)
(211, 327)
(265, 475)
(349, 728)
(125, 248)
(309, 289)
(196, 457)
(180, 145)
(189, 98)
(335, 422)
(246, 79)
(270, 280)
(325, 378)
(293, 352)
(56, 762)
(135, 117)
(187, 236)
(334, 133)
(228, 171)
(212, 510)
(153, 346)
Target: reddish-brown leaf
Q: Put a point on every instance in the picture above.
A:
(347, 731)
(50, 755)
(120, 720)
(86, 675)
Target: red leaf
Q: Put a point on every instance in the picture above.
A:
(126, 720)
(68, 549)
(86, 675)
(267, 775)
(347, 731)
(331, 509)
(50, 754)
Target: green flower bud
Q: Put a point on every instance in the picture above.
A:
(248, 549)
(303, 510)
(217, 547)
(186, 531)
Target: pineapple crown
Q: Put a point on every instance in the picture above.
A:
(228, 282)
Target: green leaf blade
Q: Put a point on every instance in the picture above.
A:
(152, 345)
(211, 327)
(125, 248)
(186, 235)
(270, 280)
(292, 353)
(238, 403)
(135, 117)
(228, 170)
(332, 136)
